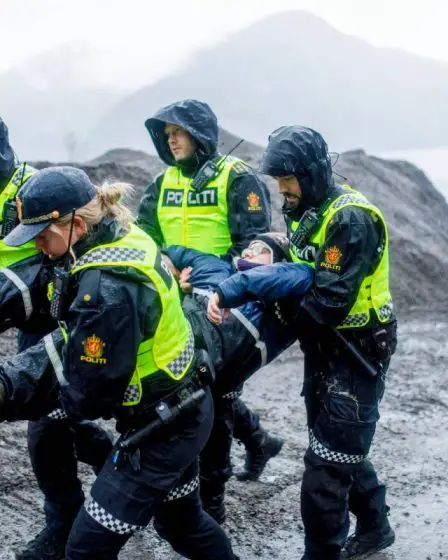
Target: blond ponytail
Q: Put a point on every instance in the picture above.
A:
(106, 204)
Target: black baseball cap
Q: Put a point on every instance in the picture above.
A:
(47, 196)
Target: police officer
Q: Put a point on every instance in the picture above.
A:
(129, 354)
(213, 204)
(349, 309)
(23, 275)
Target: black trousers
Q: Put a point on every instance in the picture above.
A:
(342, 411)
(55, 446)
(246, 422)
(166, 487)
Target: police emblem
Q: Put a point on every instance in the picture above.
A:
(254, 202)
(93, 350)
(333, 255)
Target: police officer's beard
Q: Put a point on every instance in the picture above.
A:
(293, 210)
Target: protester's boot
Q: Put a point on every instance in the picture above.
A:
(362, 544)
(259, 449)
(47, 545)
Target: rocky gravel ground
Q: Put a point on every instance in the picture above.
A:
(410, 452)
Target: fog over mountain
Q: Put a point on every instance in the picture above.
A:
(294, 68)
(290, 67)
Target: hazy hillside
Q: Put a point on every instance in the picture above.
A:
(291, 67)
(294, 68)
(51, 101)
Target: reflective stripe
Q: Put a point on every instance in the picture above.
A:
(355, 320)
(20, 284)
(349, 199)
(55, 360)
(386, 311)
(132, 394)
(58, 414)
(109, 521)
(111, 255)
(21, 174)
(178, 365)
(180, 491)
(263, 351)
(254, 332)
(329, 455)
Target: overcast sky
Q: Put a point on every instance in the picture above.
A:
(171, 30)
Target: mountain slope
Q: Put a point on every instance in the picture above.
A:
(294, 68)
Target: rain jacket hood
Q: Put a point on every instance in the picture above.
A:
(302, 152)
(196, 117)
(7, 159)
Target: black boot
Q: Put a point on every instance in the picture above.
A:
(364, 543)
(47, 545)
(259, 450)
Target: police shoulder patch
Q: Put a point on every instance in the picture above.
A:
(93, 350)
(253, 202)
(332, 259)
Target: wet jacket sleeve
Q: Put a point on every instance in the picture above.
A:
(147, 218)
(22, 292)
(266, 283)
(179, 255)
(249, 207)
(30, 380)
(104, 335)
(348, 255)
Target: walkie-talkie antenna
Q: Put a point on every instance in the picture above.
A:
(235, 147)
(223, 159)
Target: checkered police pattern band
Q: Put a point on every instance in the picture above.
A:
(184, 490)
(109, 521)
(386, 311)
(330, 455)
(111, 255)
(20, 174)
(357, 320)
(232, 396)
(348, 199)
(57, 414)
(132, 394)
(178, 365)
